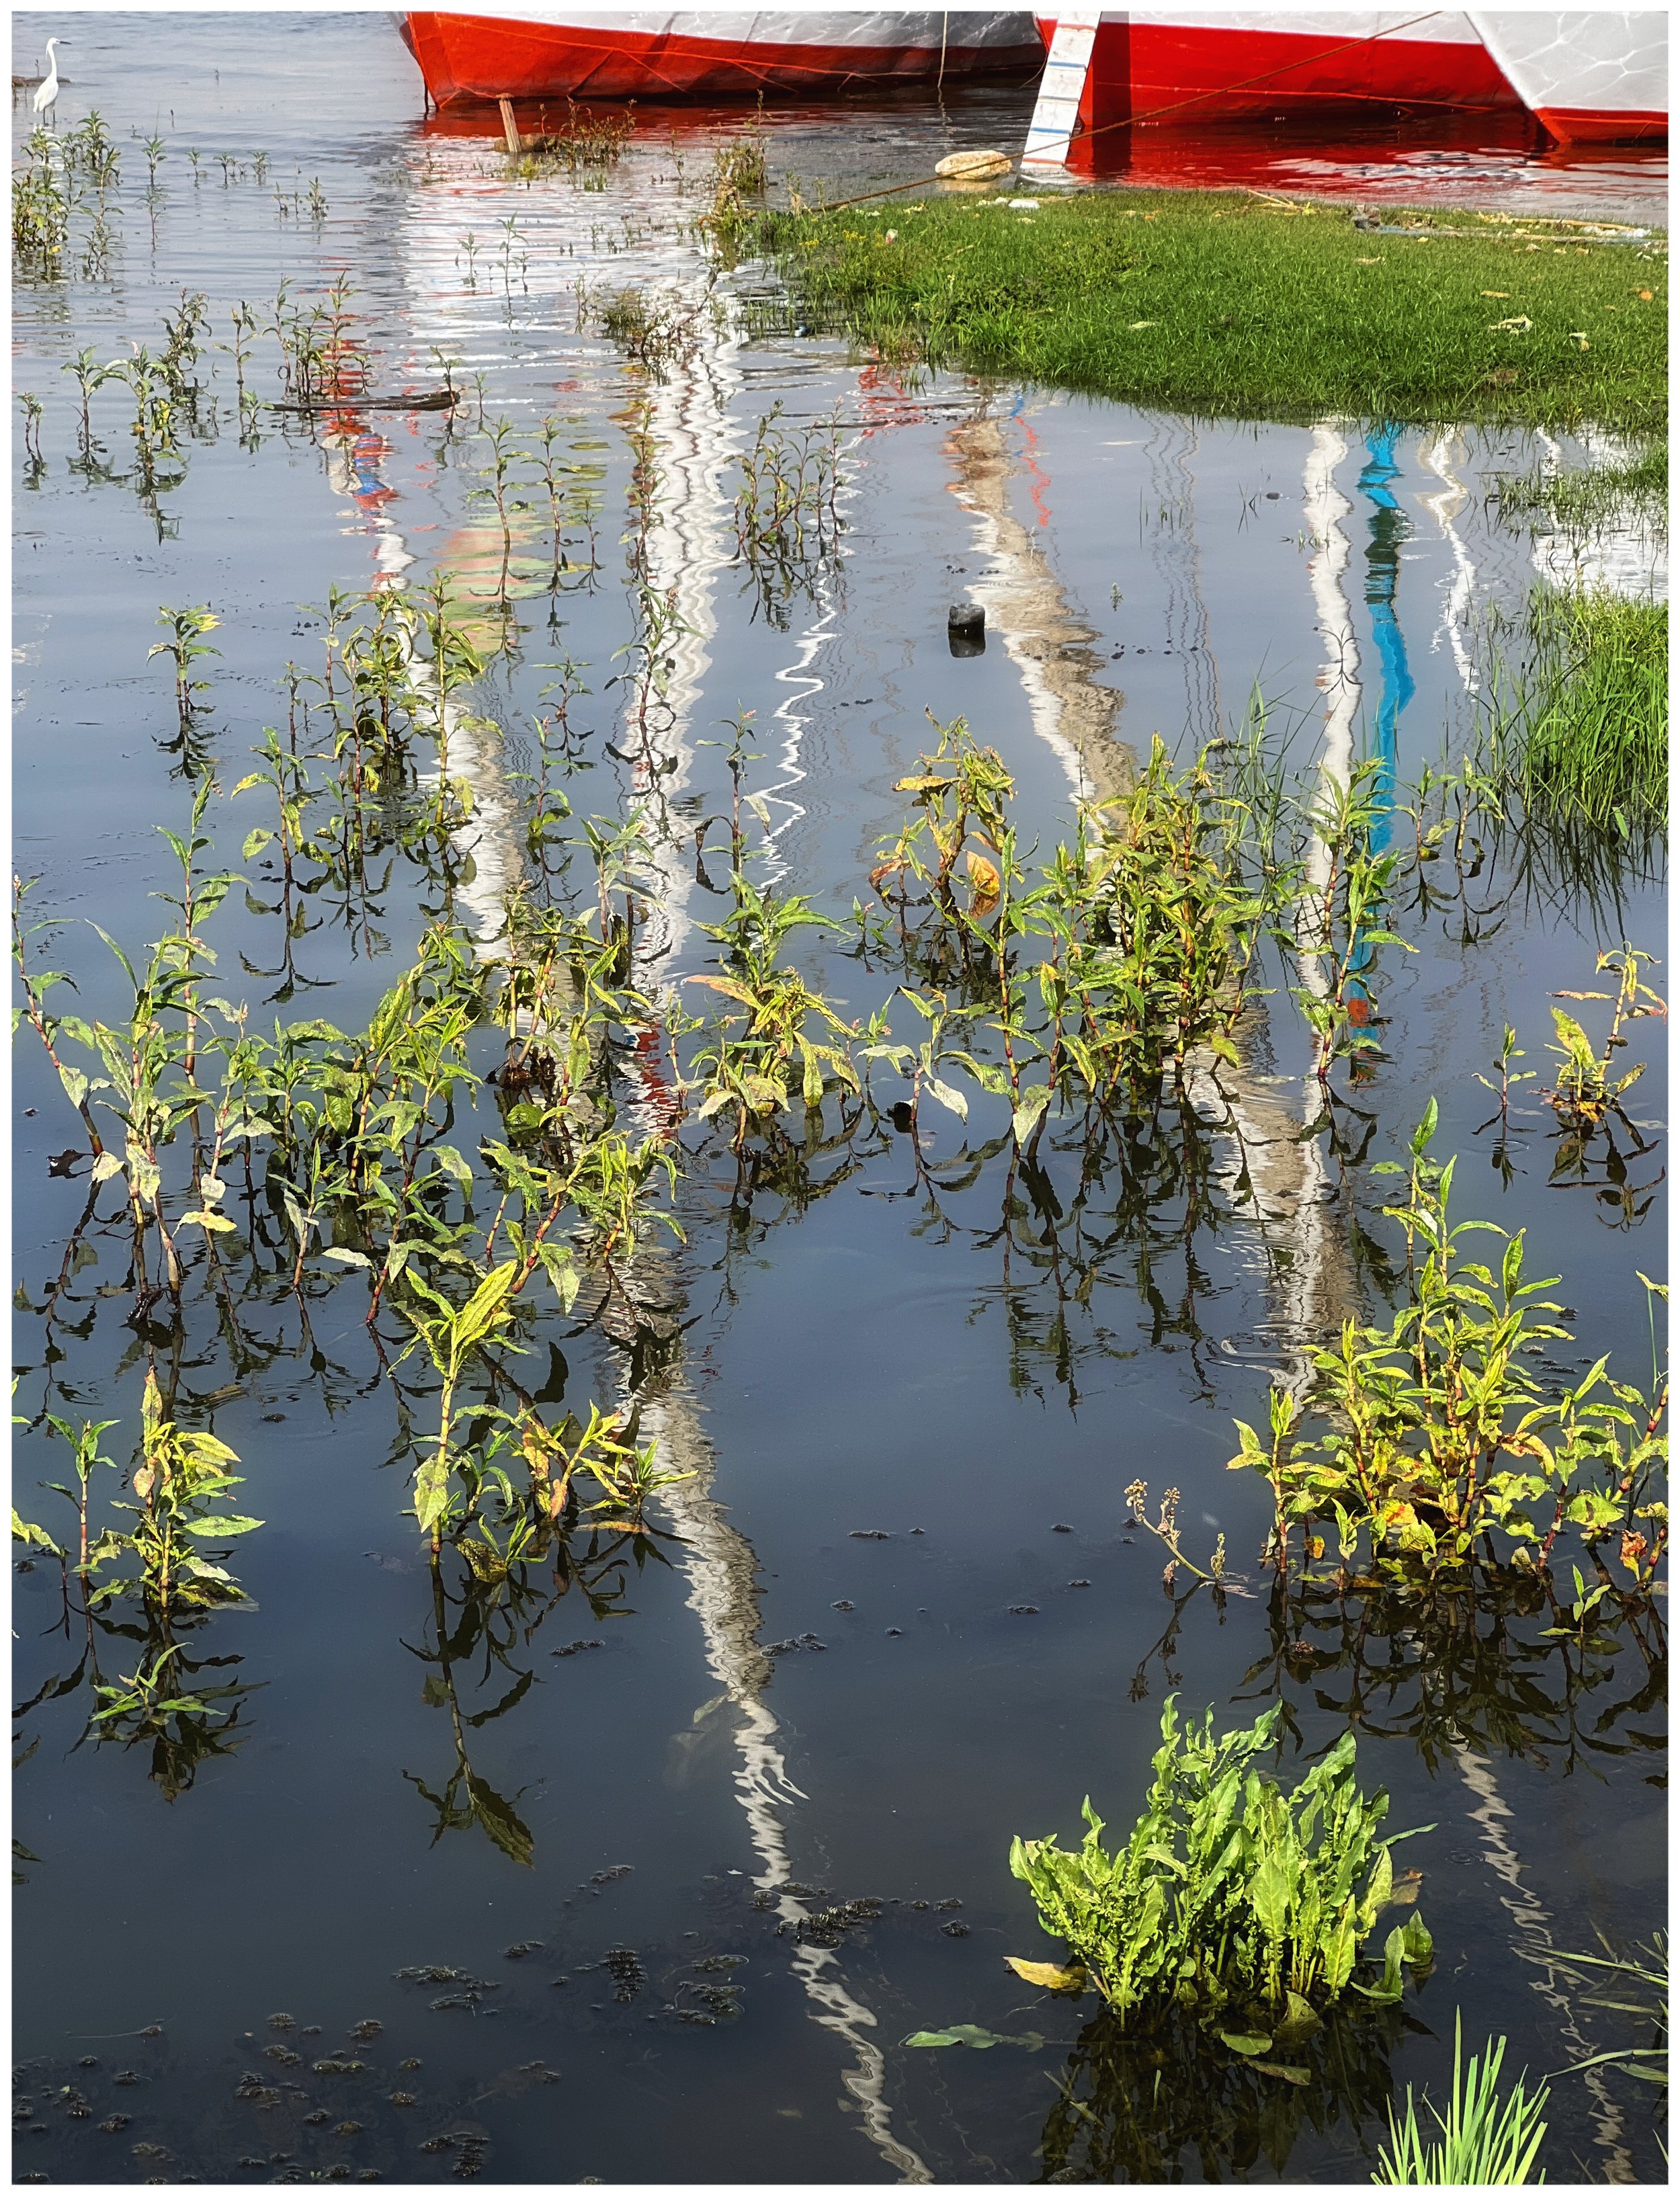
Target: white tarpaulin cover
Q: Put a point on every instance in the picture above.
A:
(1611, 61)
(873, 27)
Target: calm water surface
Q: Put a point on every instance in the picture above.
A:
(761, 1802)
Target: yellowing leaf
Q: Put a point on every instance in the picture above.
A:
(987, 885)
(1047, 1975)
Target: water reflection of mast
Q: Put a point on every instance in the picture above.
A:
(469, 747)
(1436, 453)
(1177, 558)
(1047, 642)
(1533, 1938)
(690, 543)
(724, 1593)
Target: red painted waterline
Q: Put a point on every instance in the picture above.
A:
(478, 57)
(1597, 125)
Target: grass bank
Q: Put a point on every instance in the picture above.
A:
(1594, 722)
(1226, 304)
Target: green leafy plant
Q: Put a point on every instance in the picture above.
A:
(179, 1480)
(1485, 2141)
(1434, 1434)
(1585, 1090)
(1232, 1896)
(185, 647)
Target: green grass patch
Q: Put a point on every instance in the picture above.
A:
(1228, 305)
(1593, 713)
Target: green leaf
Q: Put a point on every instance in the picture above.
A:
(347, 1258)
(952, 1101)
(1423, 1135)
(976, 2039)
(1299, 2019)
(222, 1528)
(33, 1536)
(1029, 1109)
(1251, 2046)
(1269, 1893)
(483, 1309)
(431, 1492)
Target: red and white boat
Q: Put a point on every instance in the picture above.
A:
(1590, 78)
(529, 50)
(1597, 75)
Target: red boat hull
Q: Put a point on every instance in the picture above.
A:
(1583, 126)
(1190, 72)
(474, 58)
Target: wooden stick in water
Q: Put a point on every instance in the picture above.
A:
(510, 128)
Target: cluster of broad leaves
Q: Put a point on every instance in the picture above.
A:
(1232, 1896)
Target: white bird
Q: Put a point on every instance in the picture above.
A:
(46, 92)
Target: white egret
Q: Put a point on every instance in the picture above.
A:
(46, 92)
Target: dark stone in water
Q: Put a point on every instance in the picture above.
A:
(966, 629)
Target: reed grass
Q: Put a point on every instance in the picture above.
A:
(1230, 305)
(1580, 501)
(1593, 712)
(1486, 2141)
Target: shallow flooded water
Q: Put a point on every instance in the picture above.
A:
(642, 1869)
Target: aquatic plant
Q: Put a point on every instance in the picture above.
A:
(1436, 1436)
(1232, 1896)
(588, 141)
(182, 1476)
(1646, 1968)
(787, 522)
(748, 1066)
(743, 166)
(1152, 2103)
(1149, 926)
(1590, 714)
(186, 646)
(1485, 2141)
(1342, 918)
(1582, 498)
(33, 409)
(1583, 1091)
(40, 211)
(655, 332)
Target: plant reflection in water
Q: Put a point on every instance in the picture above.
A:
(1132, 2102)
